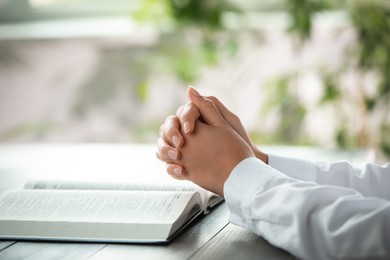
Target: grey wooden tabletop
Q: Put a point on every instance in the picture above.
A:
(212, 237)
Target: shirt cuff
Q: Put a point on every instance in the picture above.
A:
(250, 177)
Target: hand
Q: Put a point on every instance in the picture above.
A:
(210, 153)
(171, 137)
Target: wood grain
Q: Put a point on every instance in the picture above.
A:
(50, 250)
(234, 242)
(5, 244)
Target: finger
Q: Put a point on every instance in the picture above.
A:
(207, 108)
(162, 130)
(179, 111)
(188, 115)
(165, 152)
(231, 118)
(176, 171)
(226, 113)
(171, 133)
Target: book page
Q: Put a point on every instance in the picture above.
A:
(138, 186)
(93, 206)
(109, 216)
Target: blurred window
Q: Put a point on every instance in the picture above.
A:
(25, 10)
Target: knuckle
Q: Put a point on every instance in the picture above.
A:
(171, 131)
(171, 126)
(169, 169)
(160, 142)
(209, 102)
(213, 98)
(162, 147)
(161, 130)
(169, 119)
(179, 111)
(191, 112)
(158, 155)
(185, 111)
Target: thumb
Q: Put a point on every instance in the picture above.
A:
(207, 108)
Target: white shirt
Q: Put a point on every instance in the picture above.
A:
(313, 210)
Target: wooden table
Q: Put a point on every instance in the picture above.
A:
(212, 237)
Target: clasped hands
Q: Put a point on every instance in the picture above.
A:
(203, 142)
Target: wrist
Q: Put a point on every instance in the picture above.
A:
(259, 154)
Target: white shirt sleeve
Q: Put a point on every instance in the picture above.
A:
(371, 180)
(309, 220)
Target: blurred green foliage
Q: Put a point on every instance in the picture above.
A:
(371, 20)
(204, 41)
(283, 97)
(194, 35)
(202, 13)
(302, 12)
(374, 38)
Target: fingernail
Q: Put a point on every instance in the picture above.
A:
(176, 141)
(176, 172)
(194, 92)
(172, 154)
(186, 127)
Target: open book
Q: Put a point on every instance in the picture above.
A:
(102, 212)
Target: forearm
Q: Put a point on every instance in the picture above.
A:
(370, 180)
(309, 220)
